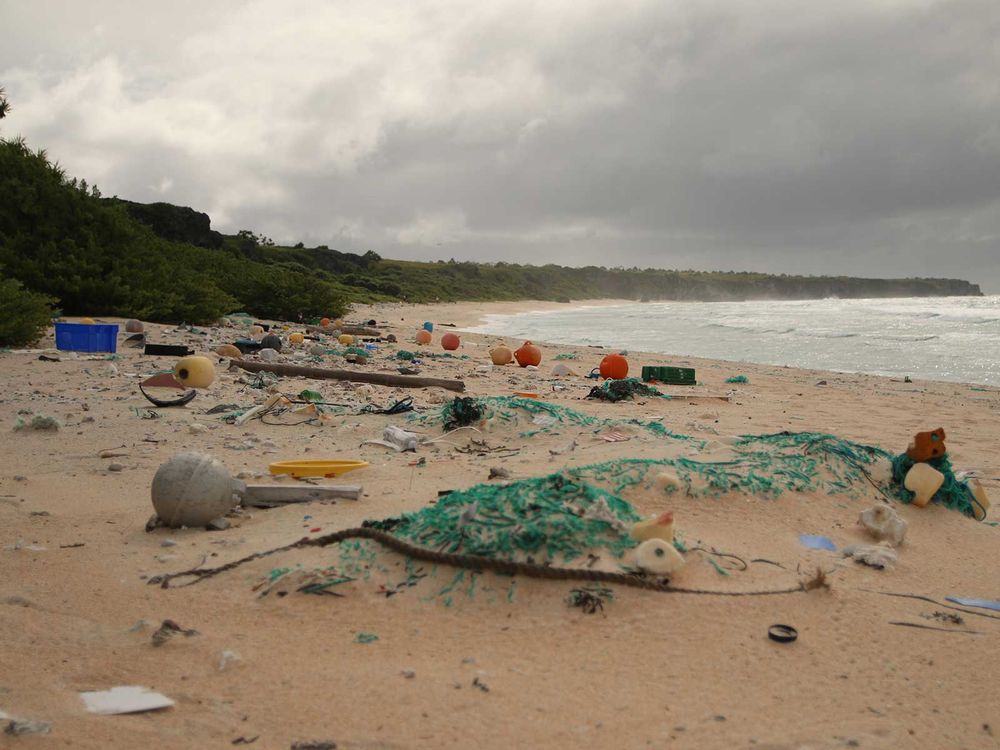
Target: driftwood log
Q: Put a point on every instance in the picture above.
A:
(378, 378)
(353, 330)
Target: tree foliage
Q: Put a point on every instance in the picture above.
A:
(24, 315)
(58, 237)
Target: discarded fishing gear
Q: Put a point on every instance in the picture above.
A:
(619, 390)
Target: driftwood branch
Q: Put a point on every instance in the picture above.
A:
(353, 330)
(379, 378)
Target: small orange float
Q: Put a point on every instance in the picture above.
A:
(614, 367)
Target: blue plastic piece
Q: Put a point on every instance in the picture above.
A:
(86, 337)
(984, 603)
(429, 327)
(815, 541)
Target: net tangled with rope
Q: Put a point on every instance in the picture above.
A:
(543, 415)
(953, 493)
(619, 390)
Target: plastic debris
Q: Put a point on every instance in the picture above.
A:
(883, 522)
(659, 557)
(126, 699)
(874, 555)
(815, 541)
(981, 603)
(923, 480)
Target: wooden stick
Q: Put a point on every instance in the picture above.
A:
(379, 378)
(273, 495)
(353, 330)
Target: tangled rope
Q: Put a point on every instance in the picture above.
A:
(475, 562)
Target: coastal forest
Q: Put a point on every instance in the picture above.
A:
(65, 246)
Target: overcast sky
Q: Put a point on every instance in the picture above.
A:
(855, 137)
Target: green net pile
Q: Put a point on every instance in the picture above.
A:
(552, 519)
(953, 493)
(546, 416)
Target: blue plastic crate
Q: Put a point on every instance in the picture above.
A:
(86, 337)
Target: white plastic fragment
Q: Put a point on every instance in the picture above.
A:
(923, 480)
(659, 557)
(125, 699)
(875, 555)
(227, 659)
(883, 522)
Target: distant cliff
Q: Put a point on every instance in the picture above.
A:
(162, 262)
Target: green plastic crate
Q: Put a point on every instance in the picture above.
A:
(669, 375)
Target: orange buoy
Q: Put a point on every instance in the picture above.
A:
(501, 355)
(296, 338)
(423, 337)
(528, 354)
(450, 342)
(614, 367)
(325, 322)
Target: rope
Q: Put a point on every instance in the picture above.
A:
(506, 567)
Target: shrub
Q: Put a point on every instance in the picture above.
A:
(24, 315)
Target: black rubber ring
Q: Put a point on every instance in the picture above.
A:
(782, 633)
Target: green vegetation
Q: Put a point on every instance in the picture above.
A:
(24, 315)
(59, 237)
(100, 256)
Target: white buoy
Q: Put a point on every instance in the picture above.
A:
(659, 557)
(192, 489)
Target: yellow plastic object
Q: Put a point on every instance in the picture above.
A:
(230, 351)
(88, 321)
(315, 467)
(195, 372)
(296, 338)
(659, 527)
(346, 339)
(256, 330)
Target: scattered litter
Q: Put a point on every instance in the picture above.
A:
(314, 745)
(883, 522)
(397, 439)
(168, 629)
(365, 638)
(981, 603)
(782, 633)
(874, 555)
(738, 379)
(24, 727)
(815, 541)
(227, 659)
(590, 599)
(126, 699)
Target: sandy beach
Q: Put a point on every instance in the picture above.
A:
(493, 662)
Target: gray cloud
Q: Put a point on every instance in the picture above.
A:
(859, 138)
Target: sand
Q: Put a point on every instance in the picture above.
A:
(487, 669)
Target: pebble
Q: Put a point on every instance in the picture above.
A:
(197, 429)
(116, 467)
(168, 543)
(408, 673)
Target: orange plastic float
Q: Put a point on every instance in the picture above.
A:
(450, 342)
(614, 367)
(501, 355)
(528, 354)
(423, 337)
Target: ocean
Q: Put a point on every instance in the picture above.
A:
(943, 338)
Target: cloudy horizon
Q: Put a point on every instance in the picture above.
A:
(860, 138)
